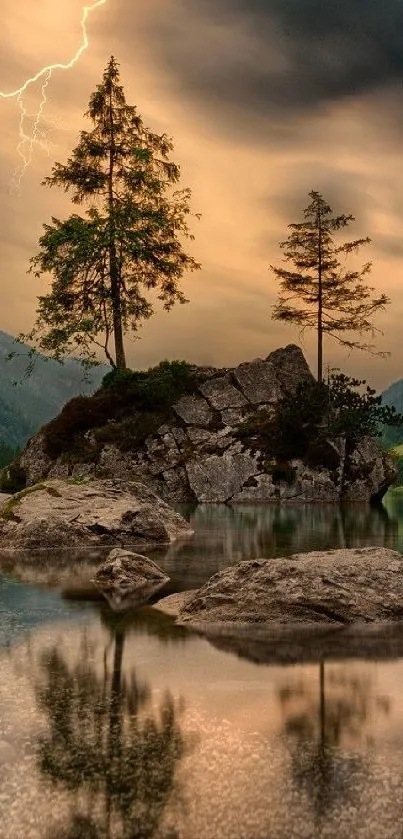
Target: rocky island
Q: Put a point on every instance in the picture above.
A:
(202, 435)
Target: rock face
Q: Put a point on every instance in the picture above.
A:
(198, 456)
(57, 513)
(340, 587)
(127, 579)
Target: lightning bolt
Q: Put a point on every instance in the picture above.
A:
(29, 138)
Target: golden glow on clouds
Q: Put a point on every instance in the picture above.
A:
(247, 191)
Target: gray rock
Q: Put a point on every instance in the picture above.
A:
(163, 453)
(127, 465)
(309, 485)
(222, 394)
(181, 437)
(258, 381)
(219, 477)
(35, 460)
(127, 579)
(290, 367)
(232, 416)
(57, 513)
(204, 439)
(369, 472)
(340, 587)
(194, 410)
(260, 490)
(175, 486)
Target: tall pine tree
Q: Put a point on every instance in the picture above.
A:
(128, 242)
(320, 293)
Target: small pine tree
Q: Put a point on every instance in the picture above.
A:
(102, 264)
(320, 293)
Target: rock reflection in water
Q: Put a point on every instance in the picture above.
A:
(107, 745)
(326, 734)
(225, 535)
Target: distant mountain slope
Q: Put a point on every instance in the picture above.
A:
(393, 396)
(25, 407)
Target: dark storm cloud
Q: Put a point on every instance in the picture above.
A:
(286, 54)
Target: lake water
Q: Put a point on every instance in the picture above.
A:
(134, 728)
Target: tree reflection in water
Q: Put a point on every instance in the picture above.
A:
(108, 746)
(321, 733)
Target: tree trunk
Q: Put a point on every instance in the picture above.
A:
(320, 302)
(320, 348)
(120, 358)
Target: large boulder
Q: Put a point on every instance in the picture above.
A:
(339, 588)
(75, 513)
(258, 381)
(128, 579)
(290, 366)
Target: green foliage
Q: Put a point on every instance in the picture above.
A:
(77, 417)
(104, 263)
(156, 389)
(320, 293)
(130, 432)
(129, 407)
(397, 455)
(8, 513)
(393, 396)
(319, 412)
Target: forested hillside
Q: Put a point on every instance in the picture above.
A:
(393, 396)
(38, 398)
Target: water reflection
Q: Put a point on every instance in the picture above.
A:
(224, 535)
(108, 744)
(327, 733)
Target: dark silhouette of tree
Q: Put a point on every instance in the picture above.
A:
(107, 745)
(128, 242)
(315, 731)
(320, 293)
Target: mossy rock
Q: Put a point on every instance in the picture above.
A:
(8, 512)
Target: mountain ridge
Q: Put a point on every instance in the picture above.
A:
(39, 397)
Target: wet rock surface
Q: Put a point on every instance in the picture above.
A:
(337, 588)
(128, 579)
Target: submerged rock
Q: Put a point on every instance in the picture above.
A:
(337, 588)
(57, 513)
(128, 579)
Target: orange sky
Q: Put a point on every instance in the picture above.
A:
(257, 123)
